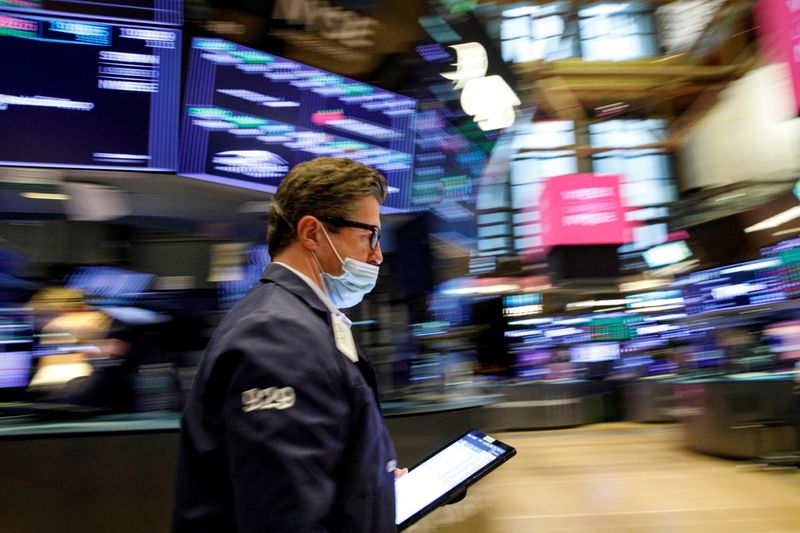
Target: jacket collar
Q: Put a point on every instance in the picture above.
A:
(292, 283)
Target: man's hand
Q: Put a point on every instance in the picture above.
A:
(400, 472)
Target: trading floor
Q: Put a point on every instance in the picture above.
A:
(621, 477)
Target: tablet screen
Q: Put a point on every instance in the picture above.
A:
(445, 473)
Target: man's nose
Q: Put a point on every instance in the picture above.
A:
(376, 256)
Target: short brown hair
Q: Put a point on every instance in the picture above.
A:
(325, 186)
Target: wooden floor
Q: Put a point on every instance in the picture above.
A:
(620, 477)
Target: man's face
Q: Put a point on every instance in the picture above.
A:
(353, 242)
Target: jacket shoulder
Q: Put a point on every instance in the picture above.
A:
(274, 328)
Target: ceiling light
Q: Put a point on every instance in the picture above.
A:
(776, 220)
(44, 195)
(786, 232)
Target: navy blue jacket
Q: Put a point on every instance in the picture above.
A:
(256, 457)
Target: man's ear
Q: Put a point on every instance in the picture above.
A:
(308, 232)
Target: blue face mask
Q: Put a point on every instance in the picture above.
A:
(349, 288)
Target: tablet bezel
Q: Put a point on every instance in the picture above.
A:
(458, 489)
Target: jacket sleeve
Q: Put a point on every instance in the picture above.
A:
(286, 417)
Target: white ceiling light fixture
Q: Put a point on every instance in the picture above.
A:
(488, 99)
(786, 232)
(471, 63)
(491, 102)
(776, 220)
(44, 195)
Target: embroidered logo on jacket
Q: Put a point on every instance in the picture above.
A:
(269, 398)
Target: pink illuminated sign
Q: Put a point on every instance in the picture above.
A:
(778, 23)
(581, 209)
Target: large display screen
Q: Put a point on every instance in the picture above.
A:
(87, 94)
(446, 164)
(739, 285)
(250, 116)
(582, 209)
(168, 12)
(577, 329)
(788, 253)
(778, 25)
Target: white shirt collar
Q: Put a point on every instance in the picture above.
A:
(319, 292)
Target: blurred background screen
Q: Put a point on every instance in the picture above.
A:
(78, 93)
(167, 12)
(251, 116)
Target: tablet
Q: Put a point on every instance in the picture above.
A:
(447, 473)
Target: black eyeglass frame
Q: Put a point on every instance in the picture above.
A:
(375, 238)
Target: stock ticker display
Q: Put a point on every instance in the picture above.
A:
(790, 272)
(250, 116)
(734, 286)
(447, 163)
(168, 12)
(88, 94)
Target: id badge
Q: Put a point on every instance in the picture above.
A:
(343, 338)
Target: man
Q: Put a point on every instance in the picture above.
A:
(282, 431)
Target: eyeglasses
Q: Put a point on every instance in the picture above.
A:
(343, 222)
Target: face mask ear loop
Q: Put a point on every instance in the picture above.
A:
(331, 243)
(322, 272)
(319, 265)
